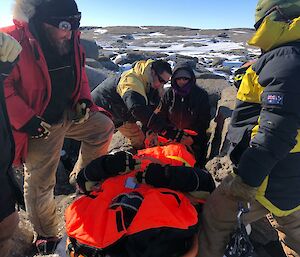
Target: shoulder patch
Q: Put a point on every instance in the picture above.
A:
(275, 99)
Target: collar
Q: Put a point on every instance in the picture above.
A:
(272, 33)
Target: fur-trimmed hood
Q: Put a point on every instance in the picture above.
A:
(23, 10)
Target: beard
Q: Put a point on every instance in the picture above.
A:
(61, 46)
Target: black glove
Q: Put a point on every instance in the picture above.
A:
(206, 181)
(120, 163)
(174, 134)
(5, 69)
(104, 167)
(84, 184)
(155, 175)
(37, 128)
(185, 179)
(82, 111)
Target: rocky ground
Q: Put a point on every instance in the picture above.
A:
(214, 54)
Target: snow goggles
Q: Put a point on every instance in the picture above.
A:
(67, 23)
(160, 79)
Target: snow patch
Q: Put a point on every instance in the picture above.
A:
(240, 32)
(100, 31)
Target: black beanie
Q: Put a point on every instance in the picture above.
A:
(56, 8)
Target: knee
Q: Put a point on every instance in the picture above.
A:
(105, 123)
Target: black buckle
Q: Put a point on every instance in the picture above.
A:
(239, 244)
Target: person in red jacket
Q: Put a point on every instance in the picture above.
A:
(9, 51)
(48, 99)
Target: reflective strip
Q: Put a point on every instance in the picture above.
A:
(177, 158)
(260, 197)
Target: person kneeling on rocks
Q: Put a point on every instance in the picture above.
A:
(186, 106)
(133, 96)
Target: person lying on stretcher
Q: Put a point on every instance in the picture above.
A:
(181, 178)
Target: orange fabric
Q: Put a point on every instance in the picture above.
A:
(163, 155)
(92, 222)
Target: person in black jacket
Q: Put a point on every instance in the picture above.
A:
(186, 106)
(9, 51)
(264, 134)
(133, 96)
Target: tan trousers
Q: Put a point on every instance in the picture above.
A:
(134, 134)
(219, 220)
(7, 228)
(43, 159)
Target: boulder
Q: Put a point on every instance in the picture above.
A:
(91, 48)
(214, 88)
(209, 75)
(223, 35)
(218, 143)
(107, 63)
(224, 70)
(217, 61)
(129, 58)
(102, 63)
(178, 58)
(127, 37)
(95, 76)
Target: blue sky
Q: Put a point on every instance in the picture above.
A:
(187, 13)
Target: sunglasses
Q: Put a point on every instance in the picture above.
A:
(160, 79)
(273, 9)
(183, 78)
(66, 23)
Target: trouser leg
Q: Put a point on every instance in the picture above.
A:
(289, 233)
(95, 136)
(7, 228)
(134, 133)
(219, 219)
(39, 181)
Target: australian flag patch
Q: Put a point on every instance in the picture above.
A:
(275, 99)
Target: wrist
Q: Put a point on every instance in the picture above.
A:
(32, 125)
(87, 102)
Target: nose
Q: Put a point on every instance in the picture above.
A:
(68, 35)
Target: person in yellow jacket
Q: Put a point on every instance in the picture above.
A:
(133, 96)
(264, 136)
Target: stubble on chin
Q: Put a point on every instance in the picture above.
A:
(61, 46)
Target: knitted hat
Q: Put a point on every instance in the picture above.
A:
(182, 73)
(59, 13)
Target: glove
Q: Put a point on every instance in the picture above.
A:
(151, 139)
(237, 189)
(185, 179)
(37, 128)
(178, 135)
(82, 111)
(106, 166)
(84, 185)
(9, 48)
(120, 163)
(206, 181)
(155, 175)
